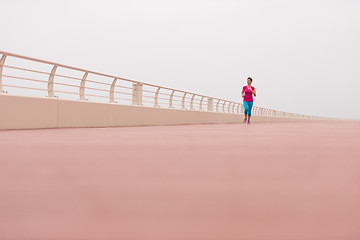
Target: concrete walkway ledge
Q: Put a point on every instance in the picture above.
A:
(20, 112)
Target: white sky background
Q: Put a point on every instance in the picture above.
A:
(304, 56)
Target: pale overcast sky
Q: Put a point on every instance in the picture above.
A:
(304, 56)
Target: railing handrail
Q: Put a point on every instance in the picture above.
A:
(137, 89)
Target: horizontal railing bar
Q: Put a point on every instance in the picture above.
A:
(122, 98)
(24, 69)
(64, 76)
(148, 96)
(58, 91)
(6, 85)
(164, 99)
(92, 81)
(160, 93)
(123, 87)
(92, 95)
(27, 79)
(96, 89)
(123, 93)
(148, 91)
(65, 84)
(177, 96)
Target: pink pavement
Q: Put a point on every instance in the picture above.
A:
(283, 181)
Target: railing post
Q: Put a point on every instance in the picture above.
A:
(217, 105)
(137, 94)
(229, 107)
(223, 107)
(210, 105)
(82, 86)
(183, 102)
(112, 89)
(2, 62)
(51, 82)
(192, 102)
(156, 98)
(238, 108)
(171, 99)
(200, 106)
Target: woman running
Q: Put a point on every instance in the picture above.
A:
(247, 94)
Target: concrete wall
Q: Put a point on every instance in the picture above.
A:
(19, 112)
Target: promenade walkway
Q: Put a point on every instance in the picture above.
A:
(190, 182)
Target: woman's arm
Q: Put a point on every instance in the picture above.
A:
(243, 93)
(254, 92)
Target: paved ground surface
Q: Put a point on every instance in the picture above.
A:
(280, 181)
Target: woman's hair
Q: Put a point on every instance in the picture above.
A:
(250, 78)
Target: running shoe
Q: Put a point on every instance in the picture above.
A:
(248, 122)
(244, 120)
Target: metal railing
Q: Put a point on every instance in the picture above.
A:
(22, 75)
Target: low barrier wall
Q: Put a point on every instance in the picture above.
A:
(19, 112)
